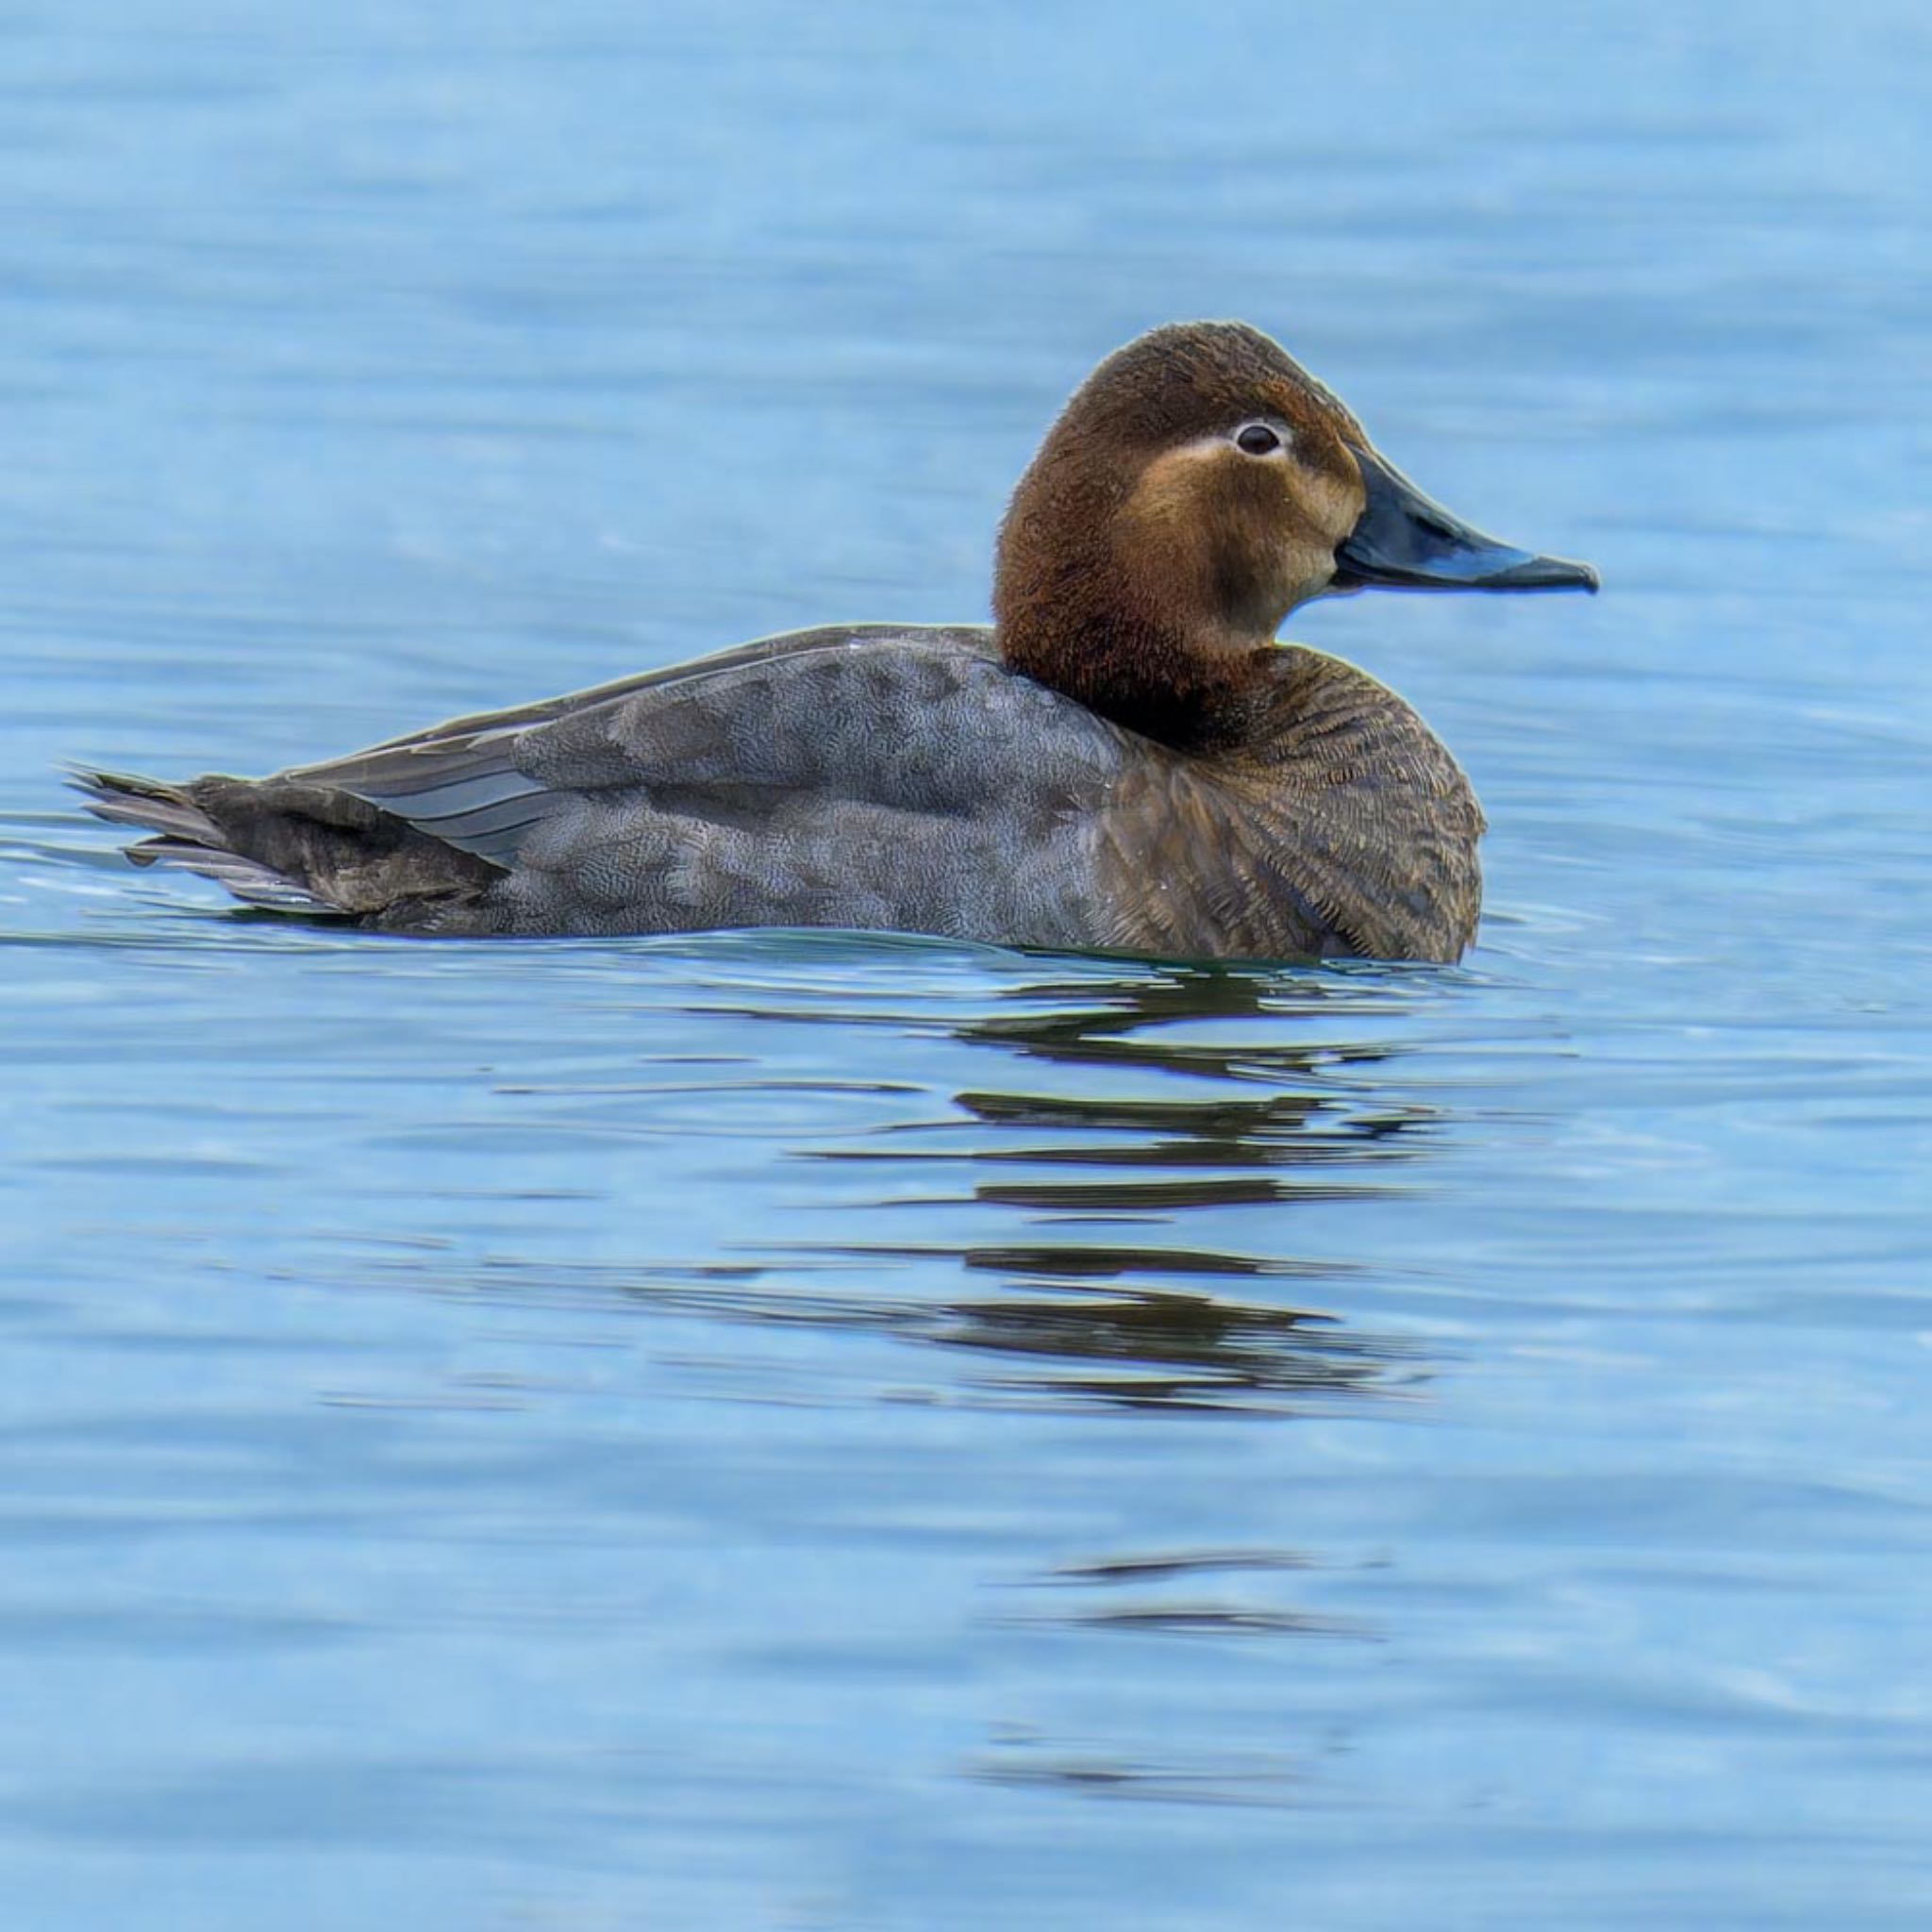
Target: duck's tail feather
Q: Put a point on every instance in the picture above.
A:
(186, 837)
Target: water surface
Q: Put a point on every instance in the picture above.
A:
(816, 1431)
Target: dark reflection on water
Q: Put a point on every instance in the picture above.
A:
(1286, 1129)
(1177, 1350)
(1143, 1350)
(1126, 1024)
(1166, 1332)
(1140, 1592)
(1116, 1020)
(1023, 1763)
(1196, 1348)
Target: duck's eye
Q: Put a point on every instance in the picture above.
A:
(1256, 439)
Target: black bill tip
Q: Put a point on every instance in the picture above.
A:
(1533, 572)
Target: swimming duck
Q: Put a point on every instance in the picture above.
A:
(1125, 759)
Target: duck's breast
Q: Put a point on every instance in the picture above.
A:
(1343, 827)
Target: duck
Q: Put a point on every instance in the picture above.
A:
(1125, 760)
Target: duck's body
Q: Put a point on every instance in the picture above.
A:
(886, 778)
(1125, 761)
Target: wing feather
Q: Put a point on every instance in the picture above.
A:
(749, 721)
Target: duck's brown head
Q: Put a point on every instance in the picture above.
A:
(1197, 487)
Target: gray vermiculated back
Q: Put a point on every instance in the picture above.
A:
(898, 778)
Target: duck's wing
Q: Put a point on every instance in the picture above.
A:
(867, 713)
(789, 643)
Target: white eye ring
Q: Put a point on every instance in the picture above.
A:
(1259, 440)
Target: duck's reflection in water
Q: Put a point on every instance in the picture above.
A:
(1301, 1110)
(1145, 1348)
(1098, 1195)
(1152, 1095)
(1149, 1113)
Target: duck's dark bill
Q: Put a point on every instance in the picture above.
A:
(1408, 542)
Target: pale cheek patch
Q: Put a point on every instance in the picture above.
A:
(1330, 505)
(1176, 490)
(1170, 490)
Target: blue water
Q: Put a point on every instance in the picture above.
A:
(776, 1432)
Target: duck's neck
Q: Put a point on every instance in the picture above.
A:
(1077, 623)
(1170, 688)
